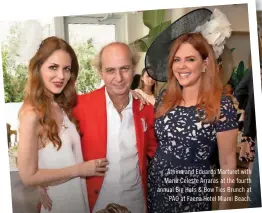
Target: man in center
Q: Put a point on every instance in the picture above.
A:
(113, 126)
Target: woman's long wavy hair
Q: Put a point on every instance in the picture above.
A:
(210, 90)
(37, 96)
(142, 84)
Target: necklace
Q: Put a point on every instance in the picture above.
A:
(121, 108)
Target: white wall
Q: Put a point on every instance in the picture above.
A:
(11, 110)
(135, 30)
(233, 12)
(240, 37)
(135, 26)
(237, 16)
(241, 42)
(177, 13)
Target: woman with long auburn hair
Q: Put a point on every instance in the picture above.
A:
(209, 88)
(147, 87)
(49, 152)
(193, 119)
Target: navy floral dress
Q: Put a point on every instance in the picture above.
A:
(180, 175)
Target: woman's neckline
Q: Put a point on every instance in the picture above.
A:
(192, 106)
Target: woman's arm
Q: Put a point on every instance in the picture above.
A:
(136, 94)
(226, 133)
(79, 159)
(28, 157)
(227, 142)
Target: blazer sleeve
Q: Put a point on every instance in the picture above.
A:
(250, 115)
(152, 143)
(241, 92)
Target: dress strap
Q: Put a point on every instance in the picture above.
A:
(64, 120)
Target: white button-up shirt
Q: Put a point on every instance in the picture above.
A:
(122, 183)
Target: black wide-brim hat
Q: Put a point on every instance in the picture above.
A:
(156, 59)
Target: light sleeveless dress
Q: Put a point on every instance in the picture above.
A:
(150, 98)
(70, 196)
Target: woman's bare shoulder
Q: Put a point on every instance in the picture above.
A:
(28, 113)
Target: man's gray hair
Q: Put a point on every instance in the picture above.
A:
(97, 62)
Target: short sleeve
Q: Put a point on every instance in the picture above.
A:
(228, 115)
(138, 90)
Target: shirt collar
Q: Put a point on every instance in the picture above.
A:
(109, 101)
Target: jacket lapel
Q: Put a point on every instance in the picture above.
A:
(102, 122)
(139, 133)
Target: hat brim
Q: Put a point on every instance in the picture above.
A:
(157, 54)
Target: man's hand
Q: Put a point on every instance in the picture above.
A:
(45, 199)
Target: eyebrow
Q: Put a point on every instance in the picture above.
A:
(54, 64)
(124, 66)
(190, 56)
(109, 68)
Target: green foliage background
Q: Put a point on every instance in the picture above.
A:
(15, 75)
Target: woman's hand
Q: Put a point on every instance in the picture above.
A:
(93, 168)
(137, 95)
